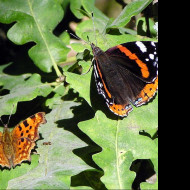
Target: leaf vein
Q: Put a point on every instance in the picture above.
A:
(43, 38)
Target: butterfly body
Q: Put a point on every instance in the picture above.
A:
(126, 74)
(8, 146)
(16, 146)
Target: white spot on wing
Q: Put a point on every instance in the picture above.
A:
(100, 84)
(141, 46)
(151, 56)
(153, 44)
(96, 73)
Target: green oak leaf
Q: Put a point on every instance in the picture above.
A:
(151, 186)
(34, 22)
(75, 6)
(9, 81)
(100, 20)
(24, 91)
(132, 9)
(57, 162)
(121, 144)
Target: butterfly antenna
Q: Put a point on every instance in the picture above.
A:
(94, 27)
(86, 43)
(10, 115)
(77, 37)
(2, 121)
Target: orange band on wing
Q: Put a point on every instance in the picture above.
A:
(121, 110)
(108, 93)
(148, 92)
(132, 56)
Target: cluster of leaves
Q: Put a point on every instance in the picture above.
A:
(90, 147)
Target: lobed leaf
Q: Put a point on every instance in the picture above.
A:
(35, 21)
(100, 20)
(146, 185)
(130, 10)
(81, 83)
(75, 6)
(24, 91)
(9, 81)
(57, 162)
(121, 145)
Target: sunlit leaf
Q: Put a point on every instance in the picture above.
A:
(35, 21)
(57, 162)
(24, 91)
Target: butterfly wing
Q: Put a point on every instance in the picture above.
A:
(22, 147)
(136, 90)
(29, 127)
(140, 58)
(3, 159)
(109, 87)
(24, 136)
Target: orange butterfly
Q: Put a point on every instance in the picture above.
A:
(16, 146)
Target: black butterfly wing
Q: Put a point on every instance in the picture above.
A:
(136, 90)
(109, 88)
(140, 58)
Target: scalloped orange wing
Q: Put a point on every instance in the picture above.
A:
(16, 146)
(22, 149)
(24, 136)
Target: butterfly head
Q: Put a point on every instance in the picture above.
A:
(96, 50)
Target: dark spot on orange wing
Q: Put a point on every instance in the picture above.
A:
(25, 123)
(30, 127)
(120, 110)
(20, 128)
(27, 131)
(145, 94)
(32, 117)
(148, 92)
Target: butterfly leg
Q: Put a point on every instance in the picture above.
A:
(88, 70)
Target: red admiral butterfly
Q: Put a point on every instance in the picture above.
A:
(126, 74)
